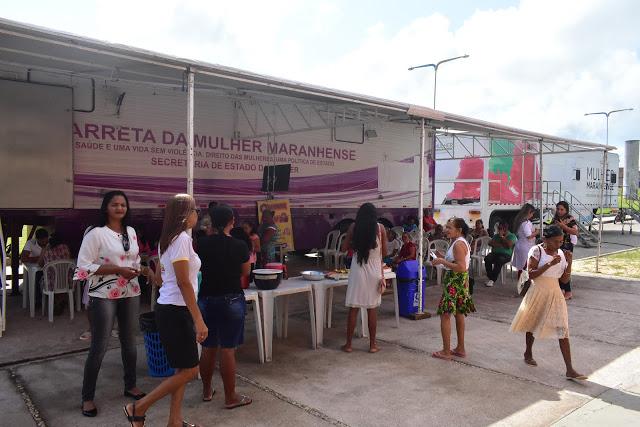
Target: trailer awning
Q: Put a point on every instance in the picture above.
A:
(54, 51)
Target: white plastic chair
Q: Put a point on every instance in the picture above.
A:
(398, 230)
(481, 249)
(339, 255)
(509, 266)
(58, 279)
(439, 246)
(329, 246)
(154, 264)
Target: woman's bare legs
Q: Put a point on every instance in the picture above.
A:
(460, 350)
(351, 327)
(565, 348)
(372, 316)
(173, 385)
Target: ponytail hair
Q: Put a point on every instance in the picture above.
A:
(460, 224)
(221, 216)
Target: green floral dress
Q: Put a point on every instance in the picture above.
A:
(455, 294)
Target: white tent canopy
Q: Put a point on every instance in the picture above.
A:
(75, 57)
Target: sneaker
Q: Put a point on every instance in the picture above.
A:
(489, 284)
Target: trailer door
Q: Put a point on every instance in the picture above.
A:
(36, 152)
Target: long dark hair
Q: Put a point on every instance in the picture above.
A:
(175, 218)
(104, 215)
(565, 205)
(365, 232)
(104, 209)
(522, 216)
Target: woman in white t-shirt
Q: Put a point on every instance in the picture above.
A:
(178, 317)
(108, 260)
(523, 227)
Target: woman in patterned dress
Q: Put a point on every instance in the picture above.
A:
(455, 299)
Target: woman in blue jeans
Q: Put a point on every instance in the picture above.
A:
(221, 299)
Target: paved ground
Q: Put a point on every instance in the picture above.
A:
(401, 385)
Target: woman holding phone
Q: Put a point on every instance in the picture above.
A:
(455, 299)
(108, 260)
(178, 317)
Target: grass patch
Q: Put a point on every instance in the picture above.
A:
(623, 264)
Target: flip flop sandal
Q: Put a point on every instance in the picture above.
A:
(374, 350)
(531, 362)
(439, 355)
(578, 378)
(244, 401)
(133, 418)
(458, 354)
(346, 349)
(210, 398)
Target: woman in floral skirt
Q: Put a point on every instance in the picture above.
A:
(455, 299)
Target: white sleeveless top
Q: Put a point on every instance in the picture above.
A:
(451, 258)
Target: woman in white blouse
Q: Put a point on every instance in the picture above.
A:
(109, 262)
(523, 228)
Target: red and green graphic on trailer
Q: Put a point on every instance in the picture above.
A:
(512, 175)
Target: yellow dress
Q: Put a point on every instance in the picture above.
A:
(543, 310)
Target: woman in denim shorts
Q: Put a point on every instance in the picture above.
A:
(221, 299)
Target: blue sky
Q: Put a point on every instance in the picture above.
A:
(535, 64)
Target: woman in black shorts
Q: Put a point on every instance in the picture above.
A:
(178, 318)
(221, 299)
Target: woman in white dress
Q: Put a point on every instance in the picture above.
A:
(526, 236)
(368, 240)
(543, 311)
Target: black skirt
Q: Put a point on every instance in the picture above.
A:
(177, 335)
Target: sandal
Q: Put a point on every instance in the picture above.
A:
(578, 378)
(346, 349)
(459, 354)
(441, 355)
(85, 336)
(133, 418)
(139, 396)
(188, 424)
(530, 361)
(244, 401)
(208, 398)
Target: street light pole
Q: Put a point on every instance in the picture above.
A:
(421, 314)
(603, 179)
(435, 74)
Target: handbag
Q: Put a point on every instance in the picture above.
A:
(524, 282)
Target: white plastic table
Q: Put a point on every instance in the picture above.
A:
(320, 289)
(286, 288)
(29, 288)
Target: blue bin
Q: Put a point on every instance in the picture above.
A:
(407, 278)
(156, 356)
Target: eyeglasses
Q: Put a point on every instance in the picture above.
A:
(125, 242)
